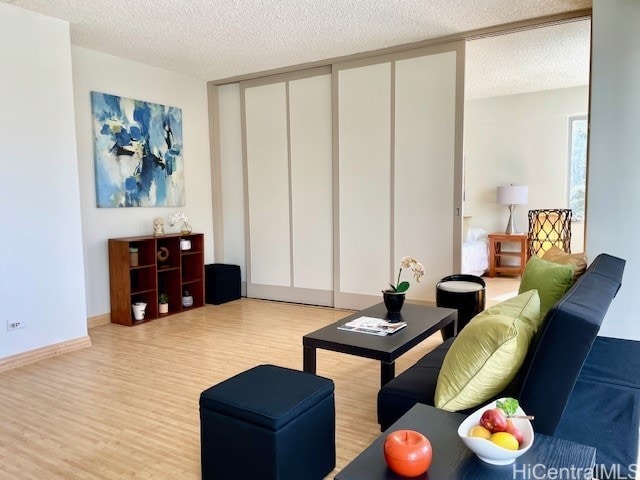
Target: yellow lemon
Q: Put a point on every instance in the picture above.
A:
(480, 431)
(505, 440)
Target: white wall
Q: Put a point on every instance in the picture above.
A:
(105, 73)
(41, 264)
(521, 139)
(614, 161)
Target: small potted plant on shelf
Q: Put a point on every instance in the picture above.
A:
(163, 303)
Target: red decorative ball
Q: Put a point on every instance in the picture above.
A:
(407, 453)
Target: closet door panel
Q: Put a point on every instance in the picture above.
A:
(364, 124)
(232, 188)
(425, 133)
(311, 182)
(268, 184)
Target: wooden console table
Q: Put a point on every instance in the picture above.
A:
(452, 460)
(497, 254)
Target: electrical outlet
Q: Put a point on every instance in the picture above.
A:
(15, 325)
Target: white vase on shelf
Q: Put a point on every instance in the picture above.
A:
(138, 310)
(187, 300)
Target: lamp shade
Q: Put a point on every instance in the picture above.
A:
(549, 228)
(513, 195)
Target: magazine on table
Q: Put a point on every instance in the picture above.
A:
(372, 326)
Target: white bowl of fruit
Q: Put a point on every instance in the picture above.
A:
(498, 433)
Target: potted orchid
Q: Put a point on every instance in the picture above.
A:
(180, 217)
(394, 296)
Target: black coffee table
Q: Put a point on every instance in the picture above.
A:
(452, 460)
(422, 322)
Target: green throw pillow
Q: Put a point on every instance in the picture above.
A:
(550, 279)
(488, 352)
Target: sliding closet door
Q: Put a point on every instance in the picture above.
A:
(364, 142)
(424, 167)
(399, 164)
(312, 183)
(268, 184)
(288, 166)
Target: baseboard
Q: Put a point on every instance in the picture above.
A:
(98, 320)
(32, 356)
(307, 296)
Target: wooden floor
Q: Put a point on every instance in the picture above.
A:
(127, 407)
(500, 289)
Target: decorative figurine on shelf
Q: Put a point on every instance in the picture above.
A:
(187, 300)
(180, 217)
(158, 227)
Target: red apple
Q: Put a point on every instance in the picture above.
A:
(515, 431)
(408, 453)
(494, 420)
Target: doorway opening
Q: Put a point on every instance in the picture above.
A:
(525, 93)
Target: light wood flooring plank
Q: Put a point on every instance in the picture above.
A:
(127, 407)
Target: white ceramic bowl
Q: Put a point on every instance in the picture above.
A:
(488, 451)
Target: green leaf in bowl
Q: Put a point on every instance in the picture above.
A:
(509, 406)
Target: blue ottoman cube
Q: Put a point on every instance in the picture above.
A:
(268, 423)
(221, 283)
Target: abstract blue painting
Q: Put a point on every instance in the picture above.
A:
(138, 152)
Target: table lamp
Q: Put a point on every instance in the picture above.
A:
(512, 195)
(549, 228)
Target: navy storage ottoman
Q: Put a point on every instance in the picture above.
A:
(268, 423)
(222, 283)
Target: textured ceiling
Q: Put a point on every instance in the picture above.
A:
(539, 59)
(215, 39)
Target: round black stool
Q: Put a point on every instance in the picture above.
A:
(466, 293)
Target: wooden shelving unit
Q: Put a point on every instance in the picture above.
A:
(163, 267)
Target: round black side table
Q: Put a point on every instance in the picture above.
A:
(466, 293)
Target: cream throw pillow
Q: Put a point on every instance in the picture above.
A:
(488, 353)
(578, 260)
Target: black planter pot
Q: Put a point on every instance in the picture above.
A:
(393, 301)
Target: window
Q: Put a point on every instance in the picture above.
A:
(578, 134)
